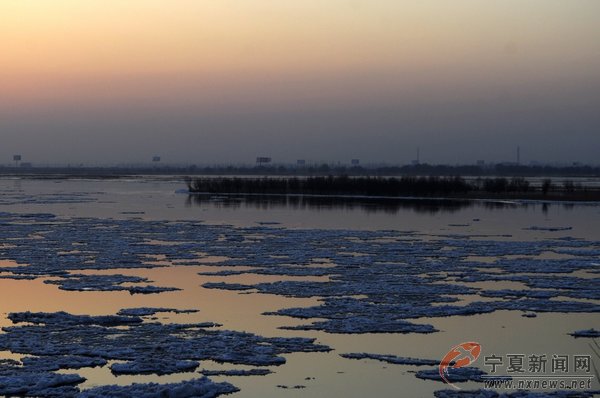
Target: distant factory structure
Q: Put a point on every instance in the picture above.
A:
(262, 160)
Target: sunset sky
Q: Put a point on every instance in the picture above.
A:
(225, 81)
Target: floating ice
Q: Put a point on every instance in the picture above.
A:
(549, 229)
(227, 286)
(34, 378)
(369, 282)
(146, 311)
(53, 363)
(392, 359)
(153, 365)
(196, 388)
(66, 319)
(60, 340)
(22, 383)
(458, 375)
(529, 315)
(236, 372)
(378, 280)
(356, 324)
(85, 283)
(592, 333)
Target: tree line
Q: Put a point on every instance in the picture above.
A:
(374, 186)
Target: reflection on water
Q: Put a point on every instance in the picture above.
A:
(369, 205)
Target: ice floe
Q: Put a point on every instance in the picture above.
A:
(549, 229)
(147, 311)
(591, 333)
(392, 359)
(458, 375)
(236, 372)
(196, 388)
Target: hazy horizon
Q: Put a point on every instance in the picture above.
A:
(225, 82)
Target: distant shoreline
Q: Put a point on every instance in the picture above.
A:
(533, 193)
(498, 170)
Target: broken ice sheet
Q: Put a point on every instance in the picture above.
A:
(60, 340)
(196, 388)
(376, 280)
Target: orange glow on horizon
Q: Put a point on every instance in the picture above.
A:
(76, 47)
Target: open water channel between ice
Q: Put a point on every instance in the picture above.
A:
(131, 287)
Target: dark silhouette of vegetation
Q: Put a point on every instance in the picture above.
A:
(495, 185)
(569, 186)
(407, 186)
(546, 186)
(343, 185)
(502, 185)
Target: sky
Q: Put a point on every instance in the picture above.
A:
(225, 81)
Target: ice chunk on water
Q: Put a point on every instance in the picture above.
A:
(392, 359)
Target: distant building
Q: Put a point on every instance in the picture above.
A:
(156, 158)
(355, 162)
(263, 160)
(301, 162)
(481, 163)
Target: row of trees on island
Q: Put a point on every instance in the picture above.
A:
(379, 186)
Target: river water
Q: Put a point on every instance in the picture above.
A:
(316, 374)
